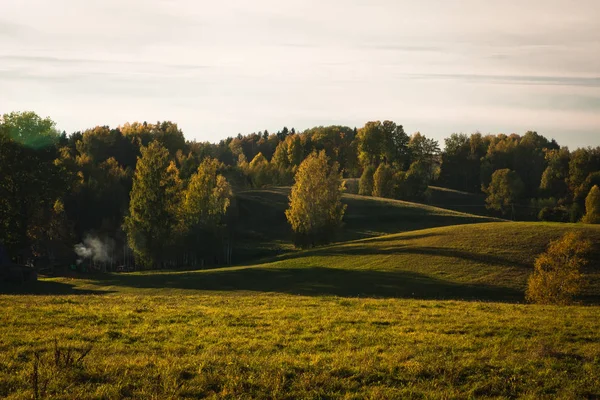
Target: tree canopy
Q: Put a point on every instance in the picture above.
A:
(316, 209)
(57, 189)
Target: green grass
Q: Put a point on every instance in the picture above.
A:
(457, 200)
(473, 203)
(285, 347)
(488, 261)
(261, 229)
(434, 313)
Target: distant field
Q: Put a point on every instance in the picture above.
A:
(262, 229)
(434, 313)
(472, 203)
(456, 200)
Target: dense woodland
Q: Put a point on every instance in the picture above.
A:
(160, 200)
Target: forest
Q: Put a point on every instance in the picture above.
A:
(140, 195)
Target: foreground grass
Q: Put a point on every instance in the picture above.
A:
(375, 318)
(286, 346)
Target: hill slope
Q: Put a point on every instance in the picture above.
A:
(489, 261)
(262, 230)
(472, 203)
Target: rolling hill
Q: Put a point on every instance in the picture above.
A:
(369, 318)
(261, 228)
(487, 261)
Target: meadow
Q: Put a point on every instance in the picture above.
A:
(289, 346)
(432, 313)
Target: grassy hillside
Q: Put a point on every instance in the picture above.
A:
(300, 326)
(472, 203)
(489, 261)
(262, 230)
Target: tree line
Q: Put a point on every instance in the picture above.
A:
(171, 201)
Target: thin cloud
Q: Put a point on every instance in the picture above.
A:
(515, 79)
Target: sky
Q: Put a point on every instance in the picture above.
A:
(228, 67)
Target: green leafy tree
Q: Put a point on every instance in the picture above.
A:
(582, 163)
(280, 158)
(205, 204)
(383, 181)
(207, 196)
(425, 151)
(31, 182)
(461, 162)
(29, 130)
(370, 143)
(316, 209)
(366, 182)
(395, 147)
(592, 207)
(557, 276)
(554, 181)
(153, 206)
(412, 184)
(382, 142)
(295, 151)
(504, 191)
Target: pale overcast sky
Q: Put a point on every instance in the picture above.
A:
(219, 68)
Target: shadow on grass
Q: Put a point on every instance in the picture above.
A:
(403, 238)
(44, 287)
(316, 281)
(404, 249)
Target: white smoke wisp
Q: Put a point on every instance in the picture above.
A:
(82, 251)
(95, 248)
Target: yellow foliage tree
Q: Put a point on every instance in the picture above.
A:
(557, 277)
(207, 196)
(259, 169)
(592, 207)
(316, 209)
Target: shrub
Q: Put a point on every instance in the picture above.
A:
(557, 277)
(554, 214)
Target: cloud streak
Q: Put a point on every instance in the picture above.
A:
(592, 82)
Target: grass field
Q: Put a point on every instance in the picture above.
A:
(435, 313)
(456, 200)
(262, 230)
(472, 203)
(285, 346)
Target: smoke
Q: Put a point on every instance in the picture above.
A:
(96, 249)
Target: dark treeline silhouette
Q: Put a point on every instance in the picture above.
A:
(142, 194)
